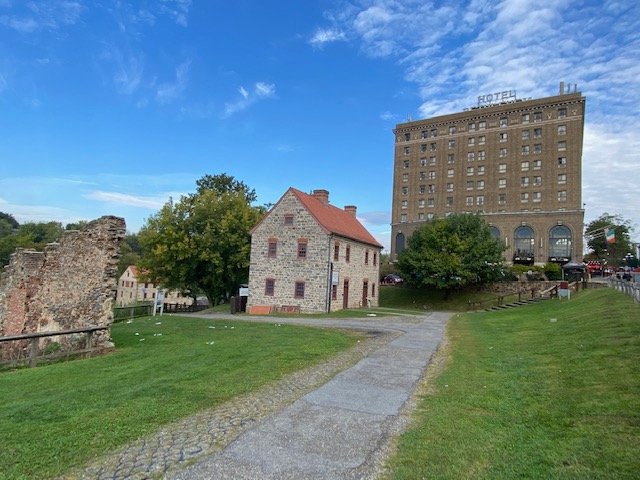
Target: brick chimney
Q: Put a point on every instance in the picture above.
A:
(351, 210)
(322, 195)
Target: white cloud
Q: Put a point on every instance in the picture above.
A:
(284, 148)
(167, 92)
(323, 36)
(387, 116)
(152, 203)
(176, 9)
(44, 16)
(261, 90)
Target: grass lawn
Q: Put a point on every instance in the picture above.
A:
(54, 418)
(545, 391)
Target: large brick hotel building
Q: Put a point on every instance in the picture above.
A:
(518, 163)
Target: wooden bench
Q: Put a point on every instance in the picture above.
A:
(35, 337)
(290, 309)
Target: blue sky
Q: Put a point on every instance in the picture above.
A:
(111, 107)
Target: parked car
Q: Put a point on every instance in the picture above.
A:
(392, 279)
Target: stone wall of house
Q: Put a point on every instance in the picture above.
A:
(286, 268)
(361, 268)
(70, 285)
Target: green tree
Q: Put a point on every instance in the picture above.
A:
(450, 253)
(29, 235)
(130, 252)
(201, 244)
(599, 249)
(223, 183)
(8, 224)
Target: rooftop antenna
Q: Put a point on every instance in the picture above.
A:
(409, 119)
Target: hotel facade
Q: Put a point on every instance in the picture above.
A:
(517, 163)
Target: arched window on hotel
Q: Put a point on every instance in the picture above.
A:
(495, 233)
(524, 244)
(560, 244)
(399, 243)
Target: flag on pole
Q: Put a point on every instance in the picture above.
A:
(610, 235)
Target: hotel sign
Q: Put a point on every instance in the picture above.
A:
(496, 98)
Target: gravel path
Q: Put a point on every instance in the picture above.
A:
(333, 420)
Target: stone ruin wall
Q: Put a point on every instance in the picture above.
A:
(70, 285)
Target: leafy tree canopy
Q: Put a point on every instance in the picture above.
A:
(202, 242)
(599, 249)
(452, 252)
(223, 183)
(29, 235)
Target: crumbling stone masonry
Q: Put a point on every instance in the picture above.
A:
(68, 286)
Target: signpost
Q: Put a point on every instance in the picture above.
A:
(158, 302)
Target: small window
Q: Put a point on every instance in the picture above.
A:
(421, 203)
(524, 181)
(405, 178)
(481, 170)
(537, 164)
(524, 197)
(373, 289)
(502, 198)
(423, 175)
(375, 258)
(405, 164)
(524, 166)
(562, 146)
(562, 161)
(562, 129)
(470, 184)
(469, 170)
(537, 148)
(471, 141)
(405, 190)
(366, 257)
(472, 126)
(423, 147)
(433, 146)
(480, 200)
(537, 196)
(434, 132)
(336, 252)
(481, 155)
(403, 218)
(525, 118)
(407, 150)
(432, 174)
(471, 156)
(452, 130)
(451, 158)
(502, 183)
(423, 162)
(562, 196)
(424, 134)
(502, 168)
(537, 133)
(468, 201)
(347, 253)
(432, 160)
(288, 219)
(430, 216)
(562, 178)
(432, 188)
(504, 121)
(452, 144)
(422, 189)
(525, 150)
(299, 291)
(407, 137)
(273, 249)
(537, 181)
(562, 112)
(404, 204)
(525, 134)
(503, 152)
(537, 116)
(482, 125)
(334, 292)
(302, 249)
(431, 202)
(480, 185)
(449, 201)
(269, 287)
(450, 172)
(503, 136)
(482, 140)
(449, 187)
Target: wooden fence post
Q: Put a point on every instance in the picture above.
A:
(33, 356)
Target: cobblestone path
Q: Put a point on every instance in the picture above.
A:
(183, 442)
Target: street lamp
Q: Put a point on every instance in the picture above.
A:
(628, 259)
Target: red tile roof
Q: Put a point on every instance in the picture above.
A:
(335, 220)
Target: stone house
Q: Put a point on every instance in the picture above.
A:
(131, 291)
(310, 256)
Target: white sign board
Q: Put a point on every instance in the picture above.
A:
(335, 278)
(244, 291)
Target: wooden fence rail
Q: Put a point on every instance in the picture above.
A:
(35, 337)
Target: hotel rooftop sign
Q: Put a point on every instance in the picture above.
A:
(497, 98)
